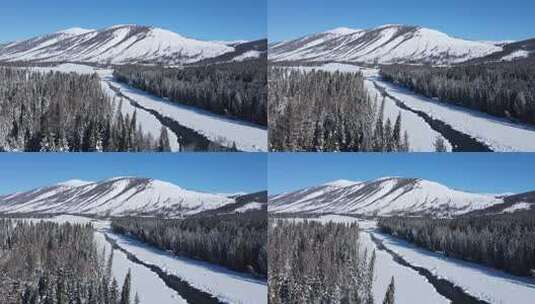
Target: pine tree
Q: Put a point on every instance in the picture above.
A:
(164, 145)
(389, 297)
(396, 135)
(114, 292)
(125, 293)
(440, 145)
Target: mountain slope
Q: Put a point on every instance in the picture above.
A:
(384, 44)
(511, 203)
(511, 51)
(118, 44)
(386, 196)
(117, 197)
(253, 202)
(243, 51)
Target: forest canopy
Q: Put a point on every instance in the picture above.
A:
(235, 89)
(503, 89)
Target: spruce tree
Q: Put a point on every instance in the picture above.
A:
(125, 293)
(389, 297)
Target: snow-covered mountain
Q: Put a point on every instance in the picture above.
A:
(384, 44)
(117, 196)
(385, 196)
(119, 44)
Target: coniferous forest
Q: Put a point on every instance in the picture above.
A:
(50, 263)
(502, 89)
(237, 241)
(504, 241)
(322, 111)
(235, 89)
(60, 112)
(310, 262)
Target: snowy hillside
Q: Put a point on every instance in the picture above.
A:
(384, 44)
(117, 197)
(385, 196)
(117, 44)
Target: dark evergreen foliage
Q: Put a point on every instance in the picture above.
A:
(236, 241)
(60, 112)
(310, 262)
(322, 111)
(389, 297)
(504, 89)
(505, 241)
(51, 263)
(237, 89)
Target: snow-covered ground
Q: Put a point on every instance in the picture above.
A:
(421, 135)
(485, 283)
(149, 287)
(67, 68)
(247, 137)
(500, 134)
(149, 123)
(250, 206)
(228, 286)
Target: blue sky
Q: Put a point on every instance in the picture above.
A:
(474, 172)
(210, 172)
(202, 19)
(470, 19)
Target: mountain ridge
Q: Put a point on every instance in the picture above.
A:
(388, 196)
(386, 44)
(118, 44)
(120, 196)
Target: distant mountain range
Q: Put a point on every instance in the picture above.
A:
(394, 44)
(395, 196)
(123, 196)
(122, 44)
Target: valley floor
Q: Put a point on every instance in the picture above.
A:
(197, 281)
(476, 129)
(215, 128)
(455, 279)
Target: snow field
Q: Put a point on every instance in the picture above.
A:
(226, 285)
(148, 122)
(485, 283)
(498, 133)
(149, 287)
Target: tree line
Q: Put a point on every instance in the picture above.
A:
(323, 111)
(237, 89)
(310, 262)
(504, 241)
(49, 263)
(503, 89)
(237, 241)
(60, 112)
